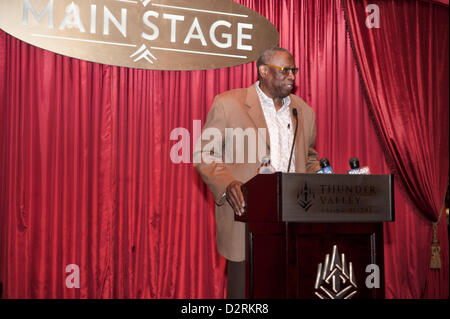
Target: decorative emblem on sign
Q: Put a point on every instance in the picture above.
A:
(334, 279)
(143, 53)
(146, 34)
(305, 197)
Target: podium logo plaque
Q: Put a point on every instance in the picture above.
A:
(335, 280)
(305, 197)
(336, 198)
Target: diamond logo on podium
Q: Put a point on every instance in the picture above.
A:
(305, 197)
(335, 280)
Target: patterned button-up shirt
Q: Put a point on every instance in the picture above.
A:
(281, 131)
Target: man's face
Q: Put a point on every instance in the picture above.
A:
(277, 83)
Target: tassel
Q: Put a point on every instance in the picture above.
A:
(435, 262)
(435, 250)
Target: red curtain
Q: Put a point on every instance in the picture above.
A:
(86, 176)
(441, 2)
(404, 69)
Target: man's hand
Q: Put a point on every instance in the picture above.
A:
(235, 197)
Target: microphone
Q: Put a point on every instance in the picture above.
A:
(294, 111)
(355, 169)
(326, 167)
(354, 163)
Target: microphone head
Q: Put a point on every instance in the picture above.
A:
(354, 163)
(294, 111)
(324, 162)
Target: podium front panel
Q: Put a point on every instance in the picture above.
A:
(325, 198)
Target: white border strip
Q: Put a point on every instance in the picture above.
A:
(200, 52)
(83, 40)
(199, 10)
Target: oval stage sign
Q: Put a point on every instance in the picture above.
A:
(145, 34)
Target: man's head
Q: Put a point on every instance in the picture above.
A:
(276, 71)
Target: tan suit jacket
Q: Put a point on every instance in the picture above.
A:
(241, 108)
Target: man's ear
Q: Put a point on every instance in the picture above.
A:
(263, 71)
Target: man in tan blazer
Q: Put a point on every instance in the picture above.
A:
(241, 110)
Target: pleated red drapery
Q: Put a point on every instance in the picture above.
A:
(87, 179)
(407, 89)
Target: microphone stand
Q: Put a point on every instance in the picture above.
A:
(294, 111)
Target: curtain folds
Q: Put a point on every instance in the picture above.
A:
(86, 175)
(404, 70)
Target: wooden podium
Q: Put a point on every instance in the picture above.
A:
(316, 235)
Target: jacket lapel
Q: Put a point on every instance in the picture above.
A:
(299, 146)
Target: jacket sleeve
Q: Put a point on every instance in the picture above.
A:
(209, 150)
(312, 161)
